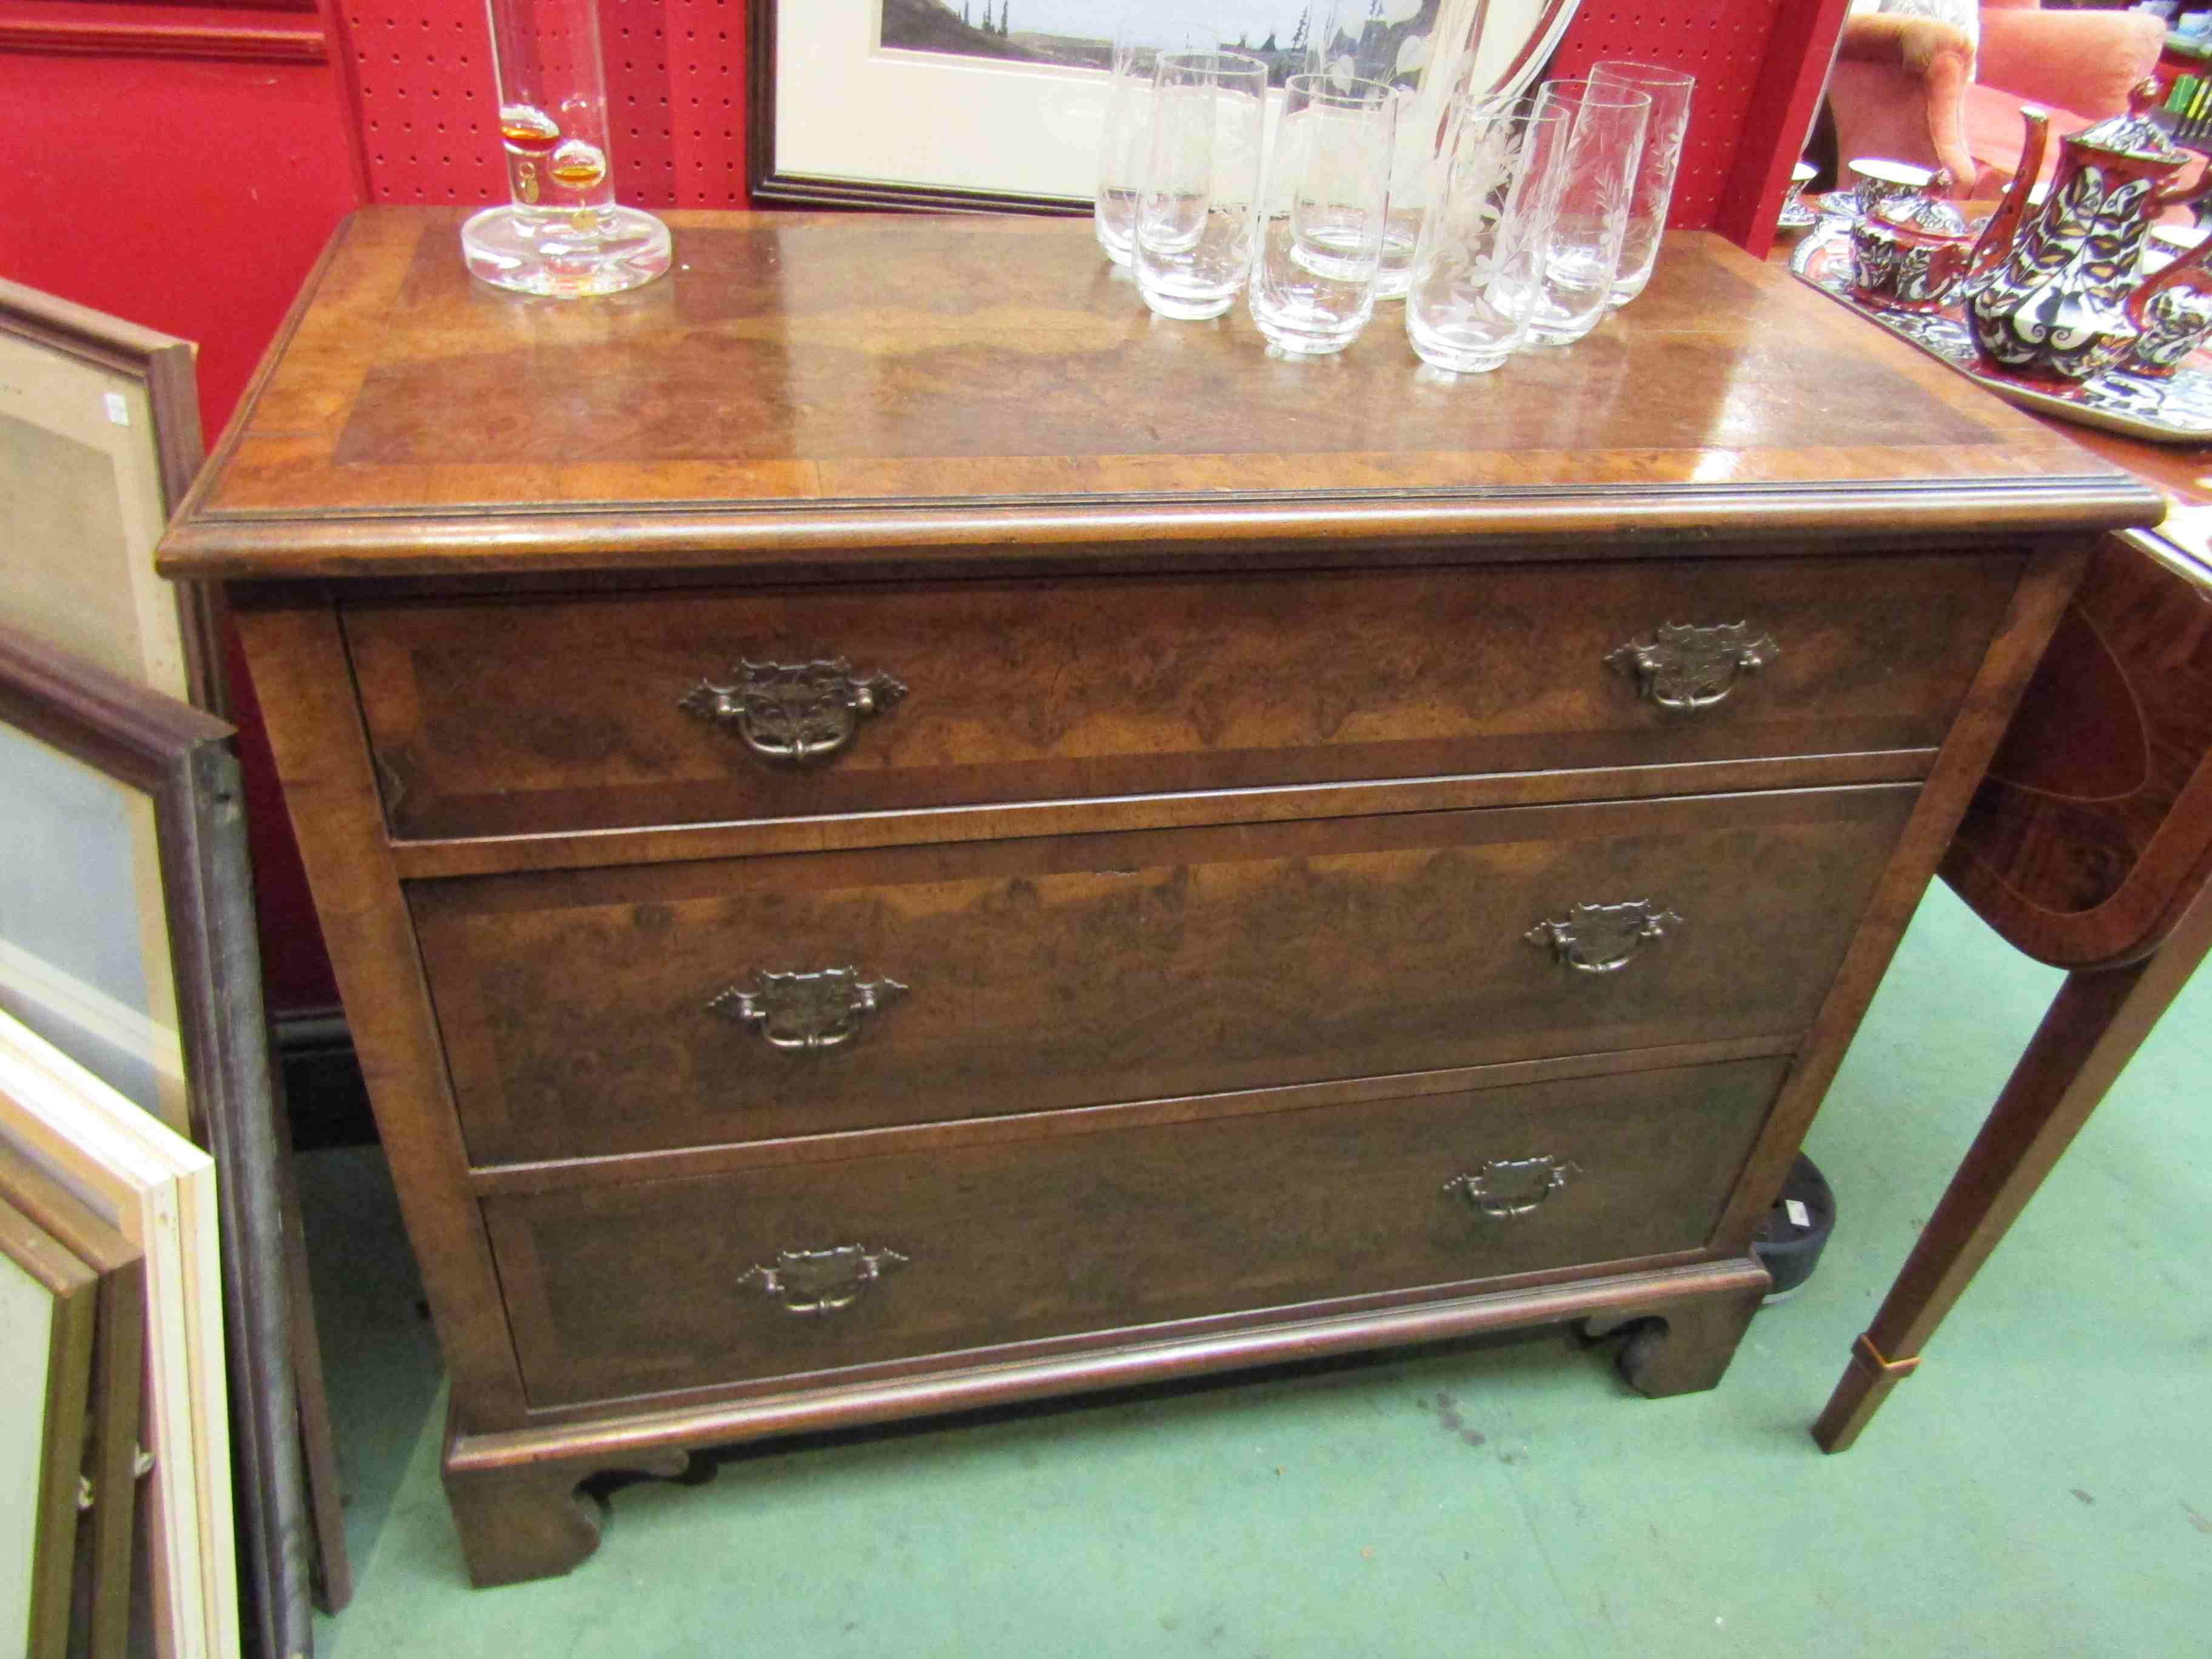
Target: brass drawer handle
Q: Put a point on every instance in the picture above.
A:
(1513, 1186)
(807, 1012)
(1603, 939)
(802, 712)
(822, 1281)
(1684, 668)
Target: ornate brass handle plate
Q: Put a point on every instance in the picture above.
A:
(822, 1281)
(1513, 1186)
(1684, 668)
(808, 1012)
(1603, 939)
(799, 712)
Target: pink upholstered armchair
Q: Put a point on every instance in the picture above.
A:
(1911, 88)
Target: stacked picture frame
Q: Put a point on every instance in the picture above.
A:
(130, 975)
(47, 1300)
(141, 1182)
(98, 1522)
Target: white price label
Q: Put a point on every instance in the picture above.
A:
(117, 410)
(1799, 1215)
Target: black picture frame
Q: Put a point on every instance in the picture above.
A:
(770, 185)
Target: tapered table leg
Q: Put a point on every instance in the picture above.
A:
(2092, 1029)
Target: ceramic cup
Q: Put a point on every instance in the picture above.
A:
(2172, 315)
(1876, 180)
(1909, 253)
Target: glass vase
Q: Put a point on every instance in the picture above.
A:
(562, 233)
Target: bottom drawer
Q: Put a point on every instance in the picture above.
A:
(1064, 1223)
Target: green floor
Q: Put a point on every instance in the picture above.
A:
(2043, 1487)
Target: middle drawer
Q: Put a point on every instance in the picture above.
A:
(601, 1012)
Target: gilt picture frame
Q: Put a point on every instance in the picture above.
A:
(963, 118)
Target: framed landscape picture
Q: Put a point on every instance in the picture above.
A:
(997, 105)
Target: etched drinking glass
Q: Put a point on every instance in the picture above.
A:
(1425, 50)
(1655, 167)
(1194, 217)
(1126, 131)
(1583, 253)
(562, 233)
(1488, 220)
(1321, 211)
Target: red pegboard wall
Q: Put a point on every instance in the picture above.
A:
(675, 73)
(1722, 42)
(675, 94)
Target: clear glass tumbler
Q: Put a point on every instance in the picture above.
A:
(1582, 255)
(1195, 218)
(1480, 264)
(562, 233)
(1125, 133)
(1425, 50)
(1662, 158)
(1322, 212)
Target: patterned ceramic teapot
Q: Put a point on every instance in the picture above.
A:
(2053, 294)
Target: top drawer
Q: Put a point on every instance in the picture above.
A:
(492, 717)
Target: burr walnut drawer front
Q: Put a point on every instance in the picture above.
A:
(498, 717)
(600, 1011)
(1055, 1226)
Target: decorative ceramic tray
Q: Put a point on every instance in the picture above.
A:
(2178, 411)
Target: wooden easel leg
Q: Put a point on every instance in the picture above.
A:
(329, 1570)
(2095, 1026)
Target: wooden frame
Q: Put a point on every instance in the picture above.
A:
(47, 1299)
(948, 99)
(105, 1541)
(99, 439)
(158, 1190)
(185, 762)
(99, 352)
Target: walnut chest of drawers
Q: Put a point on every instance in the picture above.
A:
(896, 833)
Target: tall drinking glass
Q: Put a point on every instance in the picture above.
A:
(1127, 131)
(1479, 263)
(562, 233)
(1662, 157)
(1322, 213)
(1195, 218)
(1582, 254)
(1425, 50)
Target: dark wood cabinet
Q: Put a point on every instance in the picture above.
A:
(896, 835)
